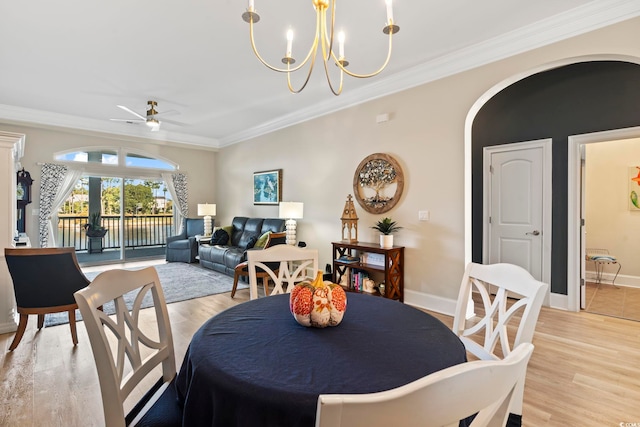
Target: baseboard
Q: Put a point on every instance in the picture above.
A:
(559, 301)
(8, 327)
(430, 302)
(447, 306)
(621, 280)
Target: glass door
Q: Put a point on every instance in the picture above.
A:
(114, 219)
(148, 218)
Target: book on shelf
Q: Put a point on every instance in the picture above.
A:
(357, 280)
(349, 258)
(373, 259)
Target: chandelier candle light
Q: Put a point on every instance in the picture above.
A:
(207, 210)
(323, 37)
(291, 211)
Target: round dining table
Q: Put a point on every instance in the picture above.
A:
(253, 365)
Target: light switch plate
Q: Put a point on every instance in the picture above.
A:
(423, 215)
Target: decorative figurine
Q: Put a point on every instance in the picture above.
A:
(349, 221)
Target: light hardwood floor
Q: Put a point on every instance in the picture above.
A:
(585, 370)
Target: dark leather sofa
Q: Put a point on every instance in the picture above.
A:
(244, 234)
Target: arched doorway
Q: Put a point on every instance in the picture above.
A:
(569, 97)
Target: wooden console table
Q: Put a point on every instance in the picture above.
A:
(391, 270)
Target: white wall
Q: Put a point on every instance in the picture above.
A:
(609, 222)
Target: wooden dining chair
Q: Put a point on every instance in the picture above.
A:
(510, 301)
(44, 280)
(285, 265)
(440, 399)
(242, 269)
(127, 355)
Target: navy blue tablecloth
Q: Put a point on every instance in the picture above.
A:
(253, 365)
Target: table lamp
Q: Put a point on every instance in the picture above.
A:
(291, 211)
(207, 210)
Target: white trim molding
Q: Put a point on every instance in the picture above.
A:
(11, 150)
(574, 255)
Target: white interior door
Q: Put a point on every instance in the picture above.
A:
(517, 206)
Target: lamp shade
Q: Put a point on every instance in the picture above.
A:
(291, 210)
(205, 209)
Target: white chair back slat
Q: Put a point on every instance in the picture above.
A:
(517, 296)
(295, 265)
(124, 353)
(440, 399)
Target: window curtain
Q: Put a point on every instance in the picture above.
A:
(56, 183)
(177, 186)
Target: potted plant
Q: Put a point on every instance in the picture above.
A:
(386, 226)
(94, 226)
(95, 232)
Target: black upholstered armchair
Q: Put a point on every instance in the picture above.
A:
(44, 280)
(184, 246)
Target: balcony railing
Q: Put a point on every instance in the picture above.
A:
(139, 231)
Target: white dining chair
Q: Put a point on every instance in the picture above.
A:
(125, 355)
(285, 265)
(511, 300)
(440, 399)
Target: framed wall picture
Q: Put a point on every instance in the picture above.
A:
(267, 187)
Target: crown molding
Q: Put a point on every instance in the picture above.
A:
(594, 15)
(48, 120)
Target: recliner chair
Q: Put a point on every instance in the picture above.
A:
(184, 246)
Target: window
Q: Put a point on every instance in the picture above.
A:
(140, 161)
(105, 157)
(115, 157)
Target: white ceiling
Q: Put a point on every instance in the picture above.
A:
(70, 62)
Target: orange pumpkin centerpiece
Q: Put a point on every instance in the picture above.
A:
(318, 303)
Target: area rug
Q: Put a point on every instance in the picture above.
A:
(179, 281)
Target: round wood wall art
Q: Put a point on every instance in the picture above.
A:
(378, 183)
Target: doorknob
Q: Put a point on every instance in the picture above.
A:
(533, 233)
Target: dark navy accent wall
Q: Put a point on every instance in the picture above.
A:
(571, 100)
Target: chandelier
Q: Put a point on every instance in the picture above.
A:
(324, 38)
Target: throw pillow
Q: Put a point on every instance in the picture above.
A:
(219, 237)
(262, 240)
(228, 229)
(251, 242)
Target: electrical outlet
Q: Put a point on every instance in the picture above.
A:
(423, 215)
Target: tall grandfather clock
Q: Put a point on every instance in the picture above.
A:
(23, 191)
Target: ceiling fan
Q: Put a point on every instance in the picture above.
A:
(150, 120)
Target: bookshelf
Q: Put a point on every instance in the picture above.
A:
(382, 265)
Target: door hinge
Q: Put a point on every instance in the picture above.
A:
(489, 220)
(490, 168)
(582, 222)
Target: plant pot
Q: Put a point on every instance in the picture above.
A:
(386, 241)
(92, 232)
(94, 245)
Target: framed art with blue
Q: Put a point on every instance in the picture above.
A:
(267, 187)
